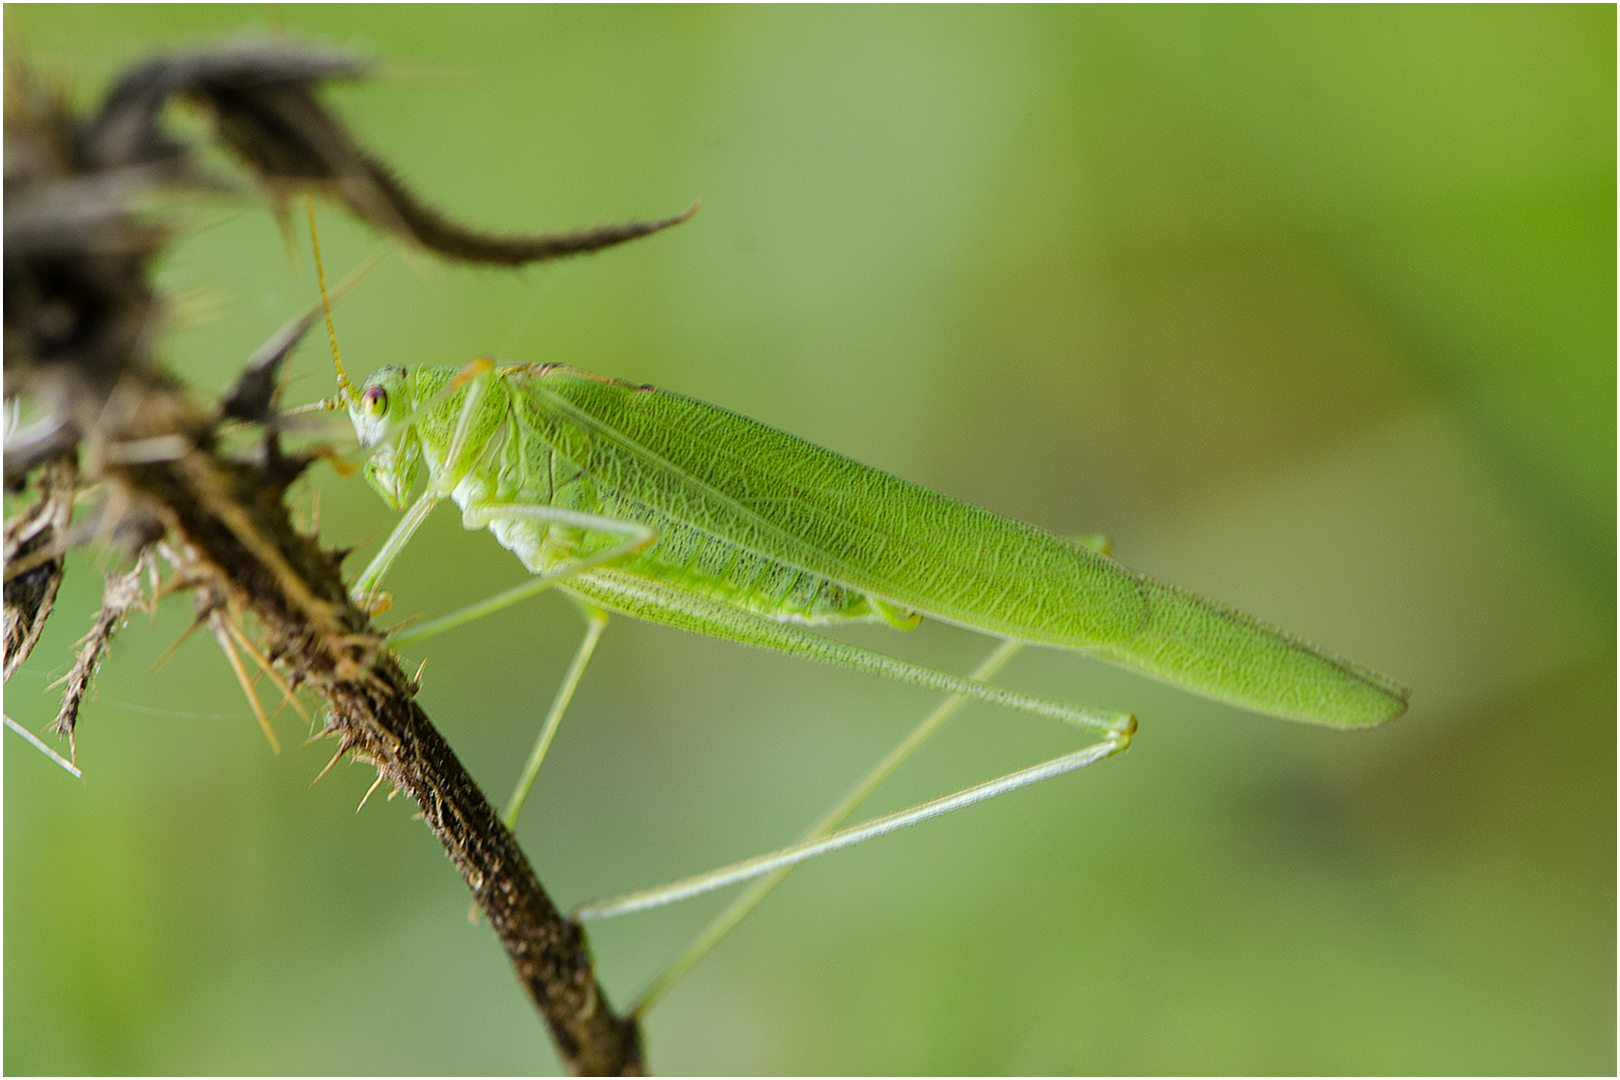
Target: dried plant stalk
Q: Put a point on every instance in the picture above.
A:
(79, 320)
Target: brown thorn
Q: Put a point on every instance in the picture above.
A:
(473, 370)
(346, 742)
(403, 623)
(224, 638)
(369, 790)
(264, 664)
(168, 654)
(329, 764)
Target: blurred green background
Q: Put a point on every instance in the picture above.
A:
(1312, 310)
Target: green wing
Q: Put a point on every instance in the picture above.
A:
(784, 499)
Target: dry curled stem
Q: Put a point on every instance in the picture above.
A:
(80, 317)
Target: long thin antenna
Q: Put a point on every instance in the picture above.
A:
(346, 391)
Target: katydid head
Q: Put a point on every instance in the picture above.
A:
(381, 412)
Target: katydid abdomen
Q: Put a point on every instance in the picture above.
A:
(749, 517)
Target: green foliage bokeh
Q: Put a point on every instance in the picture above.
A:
(1312, 310)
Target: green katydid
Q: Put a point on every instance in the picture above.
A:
(647, 503)
(672, 510)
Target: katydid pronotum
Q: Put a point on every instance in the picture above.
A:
(643, 502)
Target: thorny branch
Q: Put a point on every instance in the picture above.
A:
(80, 317)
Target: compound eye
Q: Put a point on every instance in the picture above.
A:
(374, 400)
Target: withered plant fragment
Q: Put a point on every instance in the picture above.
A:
(80, 325)
(121, 594)
(36, 541)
